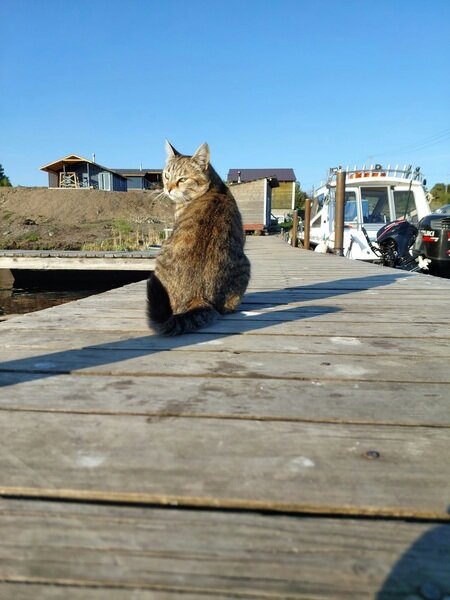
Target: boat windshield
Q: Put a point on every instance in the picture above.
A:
(375, 204)
(405, 205)
(350, 207)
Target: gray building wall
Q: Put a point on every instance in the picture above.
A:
(119, 183)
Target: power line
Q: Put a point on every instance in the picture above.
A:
(427, 142)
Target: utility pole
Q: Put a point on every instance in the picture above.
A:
(307, 224)
(294, 240)
(339, 213)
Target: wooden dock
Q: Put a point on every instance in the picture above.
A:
(299, 449)
(77, 260)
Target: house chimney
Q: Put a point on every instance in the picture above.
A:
(93, 157)
(239, 177)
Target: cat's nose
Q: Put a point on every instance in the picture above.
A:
(170, 187)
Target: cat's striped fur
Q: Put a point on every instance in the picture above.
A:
(202, 270)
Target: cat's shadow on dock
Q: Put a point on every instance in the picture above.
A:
(259, 310)
(423, 569)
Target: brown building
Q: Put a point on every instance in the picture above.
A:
(283, 196)
(254, 199)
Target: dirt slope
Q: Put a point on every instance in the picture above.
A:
(41, 218)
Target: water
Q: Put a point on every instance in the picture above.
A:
(29, 294)
(19, 302)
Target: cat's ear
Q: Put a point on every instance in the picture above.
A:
(202, 155)
(171, 152)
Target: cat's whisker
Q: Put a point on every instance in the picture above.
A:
(157, 195)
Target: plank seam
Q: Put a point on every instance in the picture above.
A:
(251, 376)
(225, 416)
(225, 504)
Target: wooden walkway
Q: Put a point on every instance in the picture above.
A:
(78, 260)
(297, 449)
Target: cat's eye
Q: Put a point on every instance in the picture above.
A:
(182, 179)
(166, 175)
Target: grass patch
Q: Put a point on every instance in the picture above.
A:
(122, 227)
(30, 237)
(120, 241)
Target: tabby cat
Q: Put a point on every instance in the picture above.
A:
(201, 270)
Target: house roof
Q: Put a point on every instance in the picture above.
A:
(251, 174)
(272, 181)
(58, 164)
(72, 159)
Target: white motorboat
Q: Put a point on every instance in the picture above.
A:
(374, 196)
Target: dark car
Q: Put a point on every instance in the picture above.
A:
(443, 210)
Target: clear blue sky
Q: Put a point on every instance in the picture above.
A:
(281, 83)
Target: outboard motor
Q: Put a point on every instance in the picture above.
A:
(395, 241)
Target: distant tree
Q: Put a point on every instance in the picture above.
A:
(4, 180)
(300, 197)
(441, 194)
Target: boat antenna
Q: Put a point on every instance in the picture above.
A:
(408, 199)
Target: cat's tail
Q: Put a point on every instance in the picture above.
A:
(188, 321)
(163, 321)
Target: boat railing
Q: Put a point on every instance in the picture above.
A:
(373, 171)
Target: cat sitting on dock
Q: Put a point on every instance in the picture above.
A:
(201, 270)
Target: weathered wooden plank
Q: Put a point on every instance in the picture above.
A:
(286, 466)
(326, 319)
(205, 342)
(296, 281)
(311, 401)
(391, 309)
(72, 590)
(214, 554)
(391, 299)
(73, 263)
(112, 359)
(311, 326)
(252, 301)
(251, 314)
